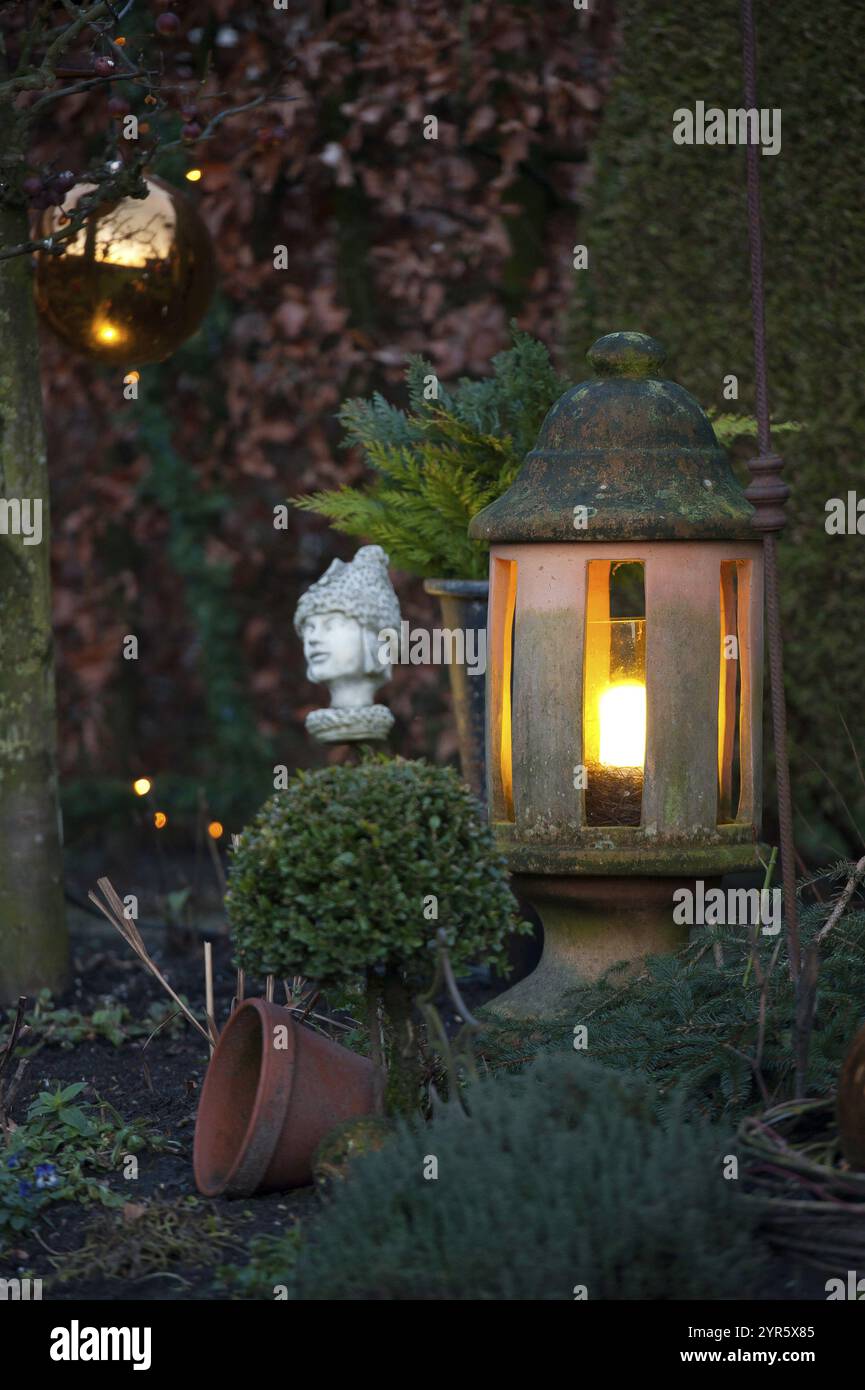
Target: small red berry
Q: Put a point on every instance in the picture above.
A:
(103, 66)
(167, 24)
(191, 131)
(32, 185)
(118, 106)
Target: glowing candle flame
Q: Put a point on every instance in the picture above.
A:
(141, 786)
(193, 175)
(622, 711)
(160, 819)
(215, 829)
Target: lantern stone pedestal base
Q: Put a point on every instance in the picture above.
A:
(590, 923)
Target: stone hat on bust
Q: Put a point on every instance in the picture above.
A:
(339, 620)
(360, 588)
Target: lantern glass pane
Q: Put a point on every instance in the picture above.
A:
(614, 696)
(730, 692)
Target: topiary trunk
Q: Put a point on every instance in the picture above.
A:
(402, 1090)
(33, 941)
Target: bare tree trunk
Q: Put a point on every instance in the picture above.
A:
(33, 941)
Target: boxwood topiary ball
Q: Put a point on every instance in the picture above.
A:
(354, 869)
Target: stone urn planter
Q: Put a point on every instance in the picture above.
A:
(273, 1090)
(463, 605)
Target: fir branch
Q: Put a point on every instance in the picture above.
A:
(731, 1035)
(439, 464)
(843, 902)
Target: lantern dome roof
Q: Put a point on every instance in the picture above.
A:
(638, 453)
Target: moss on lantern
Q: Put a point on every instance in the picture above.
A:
(639, 453)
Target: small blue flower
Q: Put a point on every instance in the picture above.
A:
(46, 1175)
(12, 1162)
(25, 1188)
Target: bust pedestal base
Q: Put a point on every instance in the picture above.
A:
(340, 724)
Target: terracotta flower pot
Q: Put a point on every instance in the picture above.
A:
(269, 1098)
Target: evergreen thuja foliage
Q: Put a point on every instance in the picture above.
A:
(561, 1177)
(703, 1023)
(442, 461)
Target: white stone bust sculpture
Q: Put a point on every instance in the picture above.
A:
(339, 619)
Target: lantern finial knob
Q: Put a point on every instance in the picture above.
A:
(627, 354)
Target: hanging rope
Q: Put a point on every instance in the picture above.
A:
(768, 494)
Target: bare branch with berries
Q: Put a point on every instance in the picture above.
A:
(48, 68)
(39, 77)
(51, 192)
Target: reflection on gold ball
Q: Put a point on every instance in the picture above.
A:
(133, 283)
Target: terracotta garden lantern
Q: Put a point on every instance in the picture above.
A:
(624, 669)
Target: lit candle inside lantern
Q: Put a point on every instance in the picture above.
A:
(622, 720)
(614, 724)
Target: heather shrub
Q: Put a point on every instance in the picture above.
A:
(562, 1178)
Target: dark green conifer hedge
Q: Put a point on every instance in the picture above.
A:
(667, 239)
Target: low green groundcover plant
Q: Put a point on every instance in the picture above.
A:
(561, 1184)
(348, 874)
(53, 1026)
(62, 1151)
(266, 1271)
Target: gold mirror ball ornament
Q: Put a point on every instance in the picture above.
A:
(133, 283)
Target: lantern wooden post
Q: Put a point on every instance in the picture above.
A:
(627, 479)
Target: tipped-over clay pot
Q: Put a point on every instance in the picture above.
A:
(273, 1090)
